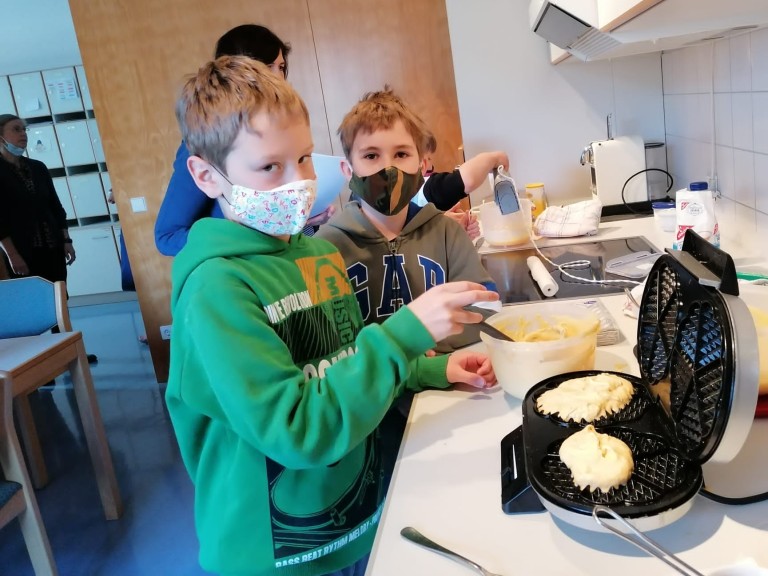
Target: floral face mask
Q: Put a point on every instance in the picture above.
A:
(277, 212)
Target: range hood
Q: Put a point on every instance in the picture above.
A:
(600, 29)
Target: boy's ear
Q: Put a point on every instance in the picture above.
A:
(205, 176)
(346, 169)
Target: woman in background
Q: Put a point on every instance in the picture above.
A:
(184, 203)
(33, 224)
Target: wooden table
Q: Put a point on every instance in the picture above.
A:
(34, 361)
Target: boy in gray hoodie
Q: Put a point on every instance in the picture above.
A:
(393, 249)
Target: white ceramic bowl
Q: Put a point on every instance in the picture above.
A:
(520, 365)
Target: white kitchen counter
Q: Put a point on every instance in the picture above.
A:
(447, 485)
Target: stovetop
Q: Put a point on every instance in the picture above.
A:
(515, 284)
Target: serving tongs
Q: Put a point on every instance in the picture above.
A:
(632, 535)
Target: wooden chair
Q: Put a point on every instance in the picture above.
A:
(17, 498)
(29, 307)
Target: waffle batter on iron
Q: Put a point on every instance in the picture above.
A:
(597, 460)
(588, 398)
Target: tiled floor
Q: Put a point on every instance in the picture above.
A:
(156, 534)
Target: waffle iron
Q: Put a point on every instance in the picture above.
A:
(696, 338)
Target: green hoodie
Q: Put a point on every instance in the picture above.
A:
(275, 392)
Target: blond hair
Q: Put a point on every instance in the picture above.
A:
(219, 101)
(380, 111)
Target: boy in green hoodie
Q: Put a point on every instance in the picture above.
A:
(275, 388)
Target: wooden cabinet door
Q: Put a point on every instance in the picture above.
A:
(364, 44)
(43, 145)
(97, 267)
(29, 93)
(6, 98)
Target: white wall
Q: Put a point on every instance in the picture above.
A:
(512, 98)
(737, 70)
(37, 34)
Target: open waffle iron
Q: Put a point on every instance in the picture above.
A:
(693, 332)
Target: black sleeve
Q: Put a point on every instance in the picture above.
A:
(444, 189)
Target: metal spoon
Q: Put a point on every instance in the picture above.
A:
(418, 538)
(492, 331)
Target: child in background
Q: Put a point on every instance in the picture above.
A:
(275, 388)
(446, 189)
(464, 218)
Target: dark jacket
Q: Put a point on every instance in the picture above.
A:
(183, 205)
(32, 219)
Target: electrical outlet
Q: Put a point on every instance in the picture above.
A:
(165, 332)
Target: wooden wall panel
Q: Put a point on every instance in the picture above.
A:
(137, 53)
(364, 44)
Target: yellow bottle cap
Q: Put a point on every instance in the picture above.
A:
(535, 185)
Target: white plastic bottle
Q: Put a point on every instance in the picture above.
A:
(695, 208)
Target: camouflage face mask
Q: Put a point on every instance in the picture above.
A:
(387, 191)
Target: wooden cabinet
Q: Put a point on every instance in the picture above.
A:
(62, 90)
(87, 195)
(138, 53)
(97, 267)
(75, 143)
(43, 145)
(29, 95)
(85, 92)
(98, 149)
(62, 191)
(7, 104)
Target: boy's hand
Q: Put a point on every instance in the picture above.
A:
(473, 226)
(441, 309)
(465, 219)
(322, 218)
(473, 368)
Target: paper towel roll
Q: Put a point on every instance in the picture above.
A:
(546, 283)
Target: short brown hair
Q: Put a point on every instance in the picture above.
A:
(430, 142)
(218, 101)
(379, 111)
